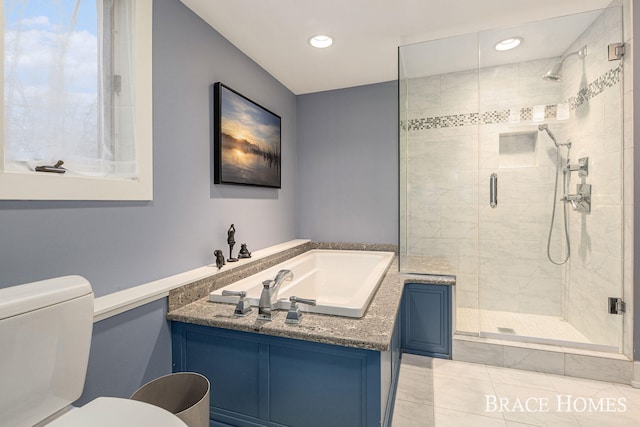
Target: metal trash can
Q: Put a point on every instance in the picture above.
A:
(185, 394)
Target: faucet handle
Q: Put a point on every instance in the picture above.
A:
(267, 283)
(242, 307)
(294, 315)
(294, 300)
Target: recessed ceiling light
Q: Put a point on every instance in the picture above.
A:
(321, 41)
(508, 44)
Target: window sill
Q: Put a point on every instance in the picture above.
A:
(52, 186)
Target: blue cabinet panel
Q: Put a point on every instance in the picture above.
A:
(426, 320)
(260, 380)
(334, 383)
(237, 380)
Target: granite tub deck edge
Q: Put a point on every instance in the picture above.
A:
(373, 331)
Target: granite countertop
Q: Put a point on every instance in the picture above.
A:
(372, 331)
(428, 264)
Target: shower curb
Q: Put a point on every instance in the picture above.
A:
(579, 363)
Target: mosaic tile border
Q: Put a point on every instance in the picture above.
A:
(607, 80)
(593, 89)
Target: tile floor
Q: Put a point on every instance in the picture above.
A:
(447, 393)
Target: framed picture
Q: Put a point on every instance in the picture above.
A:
(246, 141)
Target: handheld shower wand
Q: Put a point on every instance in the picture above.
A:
(545, 127)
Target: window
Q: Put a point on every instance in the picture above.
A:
(77, 88)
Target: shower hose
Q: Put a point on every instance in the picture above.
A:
(553, 212)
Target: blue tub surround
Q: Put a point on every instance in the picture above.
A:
(272, 381)
(272, 373)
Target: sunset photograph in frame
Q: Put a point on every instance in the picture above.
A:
(246, 141)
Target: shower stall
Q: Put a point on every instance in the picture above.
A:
(511, 177)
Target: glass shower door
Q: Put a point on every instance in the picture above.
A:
(439, 166)
(554, 101)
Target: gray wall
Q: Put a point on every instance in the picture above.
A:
(117, 245)
(128, 351)
(348, 163)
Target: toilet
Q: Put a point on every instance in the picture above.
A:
(45, 338)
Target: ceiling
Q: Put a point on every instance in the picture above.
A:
(550, 38)
(367, 33)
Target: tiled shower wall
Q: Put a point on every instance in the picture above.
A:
(452, 126)
(596, 130)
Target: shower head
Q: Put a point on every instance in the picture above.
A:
(555, 73)
(545, 127)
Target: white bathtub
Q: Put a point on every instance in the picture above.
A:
(342, 282)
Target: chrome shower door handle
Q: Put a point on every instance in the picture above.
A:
(493, 190)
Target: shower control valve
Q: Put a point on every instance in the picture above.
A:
(582, 167)
(581, 201)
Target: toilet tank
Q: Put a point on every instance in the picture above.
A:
(45, 337)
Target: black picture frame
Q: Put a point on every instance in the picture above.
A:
(247, 141)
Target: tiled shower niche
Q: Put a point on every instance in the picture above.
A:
(517, 149)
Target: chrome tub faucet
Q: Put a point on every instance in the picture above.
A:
(269, 295)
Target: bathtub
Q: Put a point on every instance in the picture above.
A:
(342, 282)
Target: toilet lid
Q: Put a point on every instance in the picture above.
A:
(111, 411)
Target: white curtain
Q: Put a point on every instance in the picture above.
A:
(66, 85)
